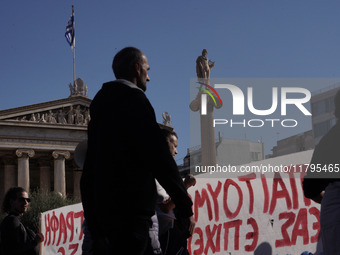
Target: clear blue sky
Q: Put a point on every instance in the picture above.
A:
(246, 39)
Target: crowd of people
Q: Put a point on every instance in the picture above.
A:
(120, 195)
(134, 199)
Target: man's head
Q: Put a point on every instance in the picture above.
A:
(204, 52)
(171, 137)
(131, 64)
(16, 201)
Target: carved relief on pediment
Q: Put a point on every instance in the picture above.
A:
(72, 115)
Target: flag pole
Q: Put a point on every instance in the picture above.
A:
(70, 38)
(73, 50)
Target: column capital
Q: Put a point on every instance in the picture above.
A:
(60, 154)
(25, 152)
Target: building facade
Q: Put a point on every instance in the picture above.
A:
(37, 143)
(323, 119)
(322, 105)
(292, 144)
(231, 152)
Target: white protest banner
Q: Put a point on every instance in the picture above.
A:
(256, 213)
(62, 229)
(252, 214)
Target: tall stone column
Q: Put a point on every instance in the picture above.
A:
(45, 176)
(208, 137)
(23, 167)
(76, 183)
(59, 171)
(2, 182)
(10, 174)
(208, 146)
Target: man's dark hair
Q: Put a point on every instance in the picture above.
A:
(168, 133)
(337, 104)
(12, 194)
(124, 62)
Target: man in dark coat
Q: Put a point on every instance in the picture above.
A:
(15, 237)
(322, 184)
(126, 152)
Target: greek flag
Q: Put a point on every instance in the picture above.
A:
(69, 34)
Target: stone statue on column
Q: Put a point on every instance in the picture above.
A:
(204, 65)
(208, 147)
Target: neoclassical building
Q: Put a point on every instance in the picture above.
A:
(37, 143)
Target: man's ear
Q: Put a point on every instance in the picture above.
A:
(136, 69)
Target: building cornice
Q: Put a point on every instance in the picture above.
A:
(60, 103)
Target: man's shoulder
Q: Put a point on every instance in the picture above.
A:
(116, 90)
(115, 95)
(327, 150)
(10, 221)
(114, 85)
(332, 137)
(121, 86)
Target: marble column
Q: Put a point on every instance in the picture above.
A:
(76, 183)
(45, 176)
(2, 182)
(23, 167)
(59, 171)
(10, 173)
(208, 149)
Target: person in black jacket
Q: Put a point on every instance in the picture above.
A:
(15, 237)
(322, 184)
(126, 152)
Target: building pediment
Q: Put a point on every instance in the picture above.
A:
(73, 110)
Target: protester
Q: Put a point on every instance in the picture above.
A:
(322, 184)
(173, 239)
(15, 237)
(126, 152)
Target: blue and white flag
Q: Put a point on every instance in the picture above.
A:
(69, 34)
